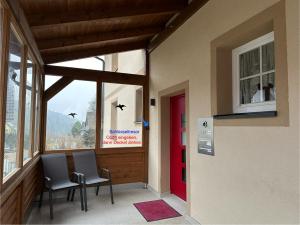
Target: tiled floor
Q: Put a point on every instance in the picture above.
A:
(101, 211)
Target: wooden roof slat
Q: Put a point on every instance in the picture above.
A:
(68, 30)
(84, 53)
(88, 46)
(41, 20)
(92, 38)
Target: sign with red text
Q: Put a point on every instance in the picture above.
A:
(122, 138)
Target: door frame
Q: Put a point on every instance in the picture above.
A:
(164, 138)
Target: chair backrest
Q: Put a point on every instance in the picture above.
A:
(55, 167)
(85, 163)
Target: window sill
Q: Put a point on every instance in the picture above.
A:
(246, 115)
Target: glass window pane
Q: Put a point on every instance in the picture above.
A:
(132, 62)
(250, 63)
(71, 117)
(183, 120)
(183, 174)
(91, 63)
(12, 105)
(50, 80)
(119, 125)
(269, 93)
(183, 138)
(268, 57)
(250, 91)
(27, 125)
(139, 105)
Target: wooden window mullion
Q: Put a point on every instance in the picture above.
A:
(33, 102)
(22, 99)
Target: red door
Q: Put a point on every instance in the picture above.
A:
(178, 147)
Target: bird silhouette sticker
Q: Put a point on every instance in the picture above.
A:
(14, 76)
(72, 114)
(121, 106)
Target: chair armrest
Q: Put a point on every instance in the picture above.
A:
(48, 182)
(105, 173)
(78, 177)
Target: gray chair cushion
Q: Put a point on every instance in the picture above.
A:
(96, 180)
(58, 186)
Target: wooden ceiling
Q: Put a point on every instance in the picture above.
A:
(72, 29)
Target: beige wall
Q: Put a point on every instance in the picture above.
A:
(254, 176)
(132, 62)
(127, 62)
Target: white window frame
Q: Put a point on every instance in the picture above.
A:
(252, 107)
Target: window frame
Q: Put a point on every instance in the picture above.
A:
(9, 24)
(20, 128)
(29, 56)
(102, 114)
(251, 107)
(44, 137)
(37, 111)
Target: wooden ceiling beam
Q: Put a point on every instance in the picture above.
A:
(108, 49)
(95, 38)
(69, 73)
(175, 23)
(38, 21)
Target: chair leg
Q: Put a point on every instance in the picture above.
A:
(85, 197)
(97, 190)
(69, 193)
(111, 192)
(41, 198)
(73, 193)
(81, 198)
(50, 204)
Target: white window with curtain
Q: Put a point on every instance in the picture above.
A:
(254, 76)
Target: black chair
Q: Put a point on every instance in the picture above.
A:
(56, 177)
(85, 165)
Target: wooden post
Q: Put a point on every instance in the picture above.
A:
(98, 116)
(3, 87)
(146, 116)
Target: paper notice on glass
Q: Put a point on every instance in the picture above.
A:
(205, 136)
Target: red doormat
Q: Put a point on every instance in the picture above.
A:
(156, 210)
